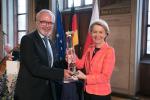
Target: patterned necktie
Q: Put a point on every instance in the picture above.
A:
(49, 51)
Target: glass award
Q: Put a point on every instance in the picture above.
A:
(70, 52)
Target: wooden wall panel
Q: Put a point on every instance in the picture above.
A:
(120, 39)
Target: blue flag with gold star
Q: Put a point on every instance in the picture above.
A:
(60, 36)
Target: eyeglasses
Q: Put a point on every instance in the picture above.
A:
(46, 23)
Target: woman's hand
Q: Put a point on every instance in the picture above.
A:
(81, 75)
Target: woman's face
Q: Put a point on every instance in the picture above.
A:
(98, 34)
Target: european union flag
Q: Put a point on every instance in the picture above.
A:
(60, 36)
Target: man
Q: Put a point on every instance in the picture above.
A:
(37, 72)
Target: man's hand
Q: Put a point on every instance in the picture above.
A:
(67, 74)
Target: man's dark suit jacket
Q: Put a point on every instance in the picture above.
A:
(34, 73)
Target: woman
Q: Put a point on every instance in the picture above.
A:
(98, 61)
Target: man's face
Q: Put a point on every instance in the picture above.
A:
(45, 24)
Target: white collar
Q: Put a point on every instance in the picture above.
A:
(42, 36)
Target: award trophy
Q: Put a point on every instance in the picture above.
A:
(70, 51)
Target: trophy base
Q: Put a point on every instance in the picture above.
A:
(71, 79)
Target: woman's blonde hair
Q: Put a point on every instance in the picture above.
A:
(102, 23)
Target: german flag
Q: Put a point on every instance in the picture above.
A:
(74, 27)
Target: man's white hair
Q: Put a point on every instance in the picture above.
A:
(45, 11)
